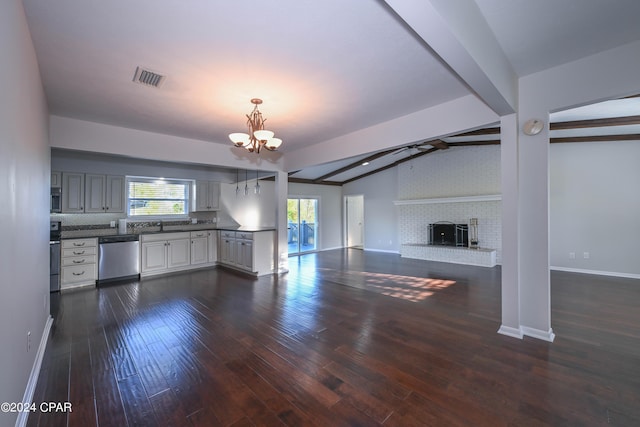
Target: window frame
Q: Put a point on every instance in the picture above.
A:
(145, 179)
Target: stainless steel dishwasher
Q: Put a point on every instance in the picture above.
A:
(118, 257)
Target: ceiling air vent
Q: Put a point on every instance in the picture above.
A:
(148, 78)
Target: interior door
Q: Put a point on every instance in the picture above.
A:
(354, 208)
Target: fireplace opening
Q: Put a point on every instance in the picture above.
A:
(444, 233)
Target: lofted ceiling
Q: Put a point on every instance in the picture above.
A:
(324, 69)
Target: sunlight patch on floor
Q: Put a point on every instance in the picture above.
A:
(409, 288)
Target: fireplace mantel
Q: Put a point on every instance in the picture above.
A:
(460, 199)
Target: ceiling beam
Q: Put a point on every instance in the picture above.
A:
(596, 123)
(439, 144)
(597, 138)
(471, 143)
(470, 51)
(479, 132)
(392, 165)
(354, 165)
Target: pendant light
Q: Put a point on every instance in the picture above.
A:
(237, 187)
(257, 188)
(246, 183)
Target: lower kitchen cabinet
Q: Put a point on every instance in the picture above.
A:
(168, 252)
(79, 259)
(251, 252)
(199, 247)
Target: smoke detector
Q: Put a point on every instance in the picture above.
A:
(148, 78)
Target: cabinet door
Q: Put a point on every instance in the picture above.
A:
(245, 252)
(202, 196)
(72, 192)
(214, 196)
(199, 250)
(227, 247)
(94, 189)
(212, 240)
(154, 256)
(178, 254)
(115, 194)
(56, 179)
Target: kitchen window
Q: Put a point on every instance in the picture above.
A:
(157, 197)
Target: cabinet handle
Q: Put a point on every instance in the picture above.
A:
(78, 261)
(107, 208)
(78, 274)
(79, 244)
(79, 252)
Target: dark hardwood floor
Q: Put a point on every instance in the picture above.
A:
(346, 338)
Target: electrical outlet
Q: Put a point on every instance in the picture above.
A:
(28, 341)
(112, 224)
(572, 255)
(585, 255)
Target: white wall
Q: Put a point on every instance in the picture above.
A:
(252, 210)
(330, 211)
(595, 206)
(380, 214)
(456, 172)
(24, 217)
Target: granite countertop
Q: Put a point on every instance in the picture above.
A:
(109, 232)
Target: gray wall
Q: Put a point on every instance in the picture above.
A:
(330, 211)
(595, 206)
(24, 217)
(380, 214)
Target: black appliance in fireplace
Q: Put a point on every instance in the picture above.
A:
(446, 233)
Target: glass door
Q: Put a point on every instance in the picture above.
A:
(302, 225)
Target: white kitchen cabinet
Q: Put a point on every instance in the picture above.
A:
(212, 245)
(56, 179)
(153, 256)
(104, 193)
(244, 251)
(79, 261)
(178, 253)
(199, 247)
(251, 252)
(207, 196)
(227, 247)
(168, 252)
(72, 192)
(92, 193)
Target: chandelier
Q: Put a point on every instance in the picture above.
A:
(258, 136)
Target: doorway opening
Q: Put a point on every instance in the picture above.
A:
(354, 221)
(302, 225)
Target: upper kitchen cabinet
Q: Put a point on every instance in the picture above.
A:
(72, 192)
(104, 193)
(56, 179)
(92, 193)
(207, 196)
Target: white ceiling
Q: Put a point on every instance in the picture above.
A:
(323, 69)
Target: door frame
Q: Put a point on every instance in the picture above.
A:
(346, 218)
(317, 223)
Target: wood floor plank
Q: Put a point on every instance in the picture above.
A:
(346, 337)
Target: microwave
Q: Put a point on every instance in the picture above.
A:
(56, 200)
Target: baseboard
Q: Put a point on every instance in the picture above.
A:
(597, 272)
(35, 372)
(510, 332)
(382, 250)
(331, 249)
(539, 334)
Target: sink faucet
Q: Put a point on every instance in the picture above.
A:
(160, 224)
